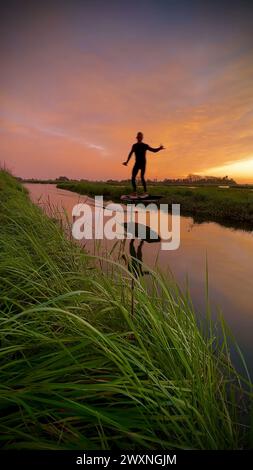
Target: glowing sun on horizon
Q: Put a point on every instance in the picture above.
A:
(239, 169)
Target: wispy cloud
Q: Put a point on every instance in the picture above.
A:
(13, 127)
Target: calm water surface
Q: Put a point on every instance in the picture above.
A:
(230, 263)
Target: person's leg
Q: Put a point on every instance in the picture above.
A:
(134, 174)
(143, 169)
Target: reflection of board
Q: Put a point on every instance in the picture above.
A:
(128, 198)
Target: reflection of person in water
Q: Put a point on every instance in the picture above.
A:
(139, 149)
(145, 234)
(135, 262)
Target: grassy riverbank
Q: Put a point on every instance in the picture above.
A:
(225, 205)
(92, 361)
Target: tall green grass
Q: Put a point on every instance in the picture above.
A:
(95, 360)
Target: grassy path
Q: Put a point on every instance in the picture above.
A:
(79, 371)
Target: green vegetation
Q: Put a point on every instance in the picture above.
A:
(97, 361)
(229, 206)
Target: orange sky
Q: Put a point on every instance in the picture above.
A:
(79, 82)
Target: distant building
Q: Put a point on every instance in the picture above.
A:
(62, 178)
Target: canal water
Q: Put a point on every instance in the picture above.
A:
(227, 252)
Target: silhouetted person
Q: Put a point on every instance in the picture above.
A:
(139, 149)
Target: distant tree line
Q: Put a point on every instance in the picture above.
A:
(189, 180)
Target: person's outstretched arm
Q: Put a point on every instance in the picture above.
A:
(157, 149)
(129, 156)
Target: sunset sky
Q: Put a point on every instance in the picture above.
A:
(79, 78)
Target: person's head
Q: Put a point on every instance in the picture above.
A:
(139, 136)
